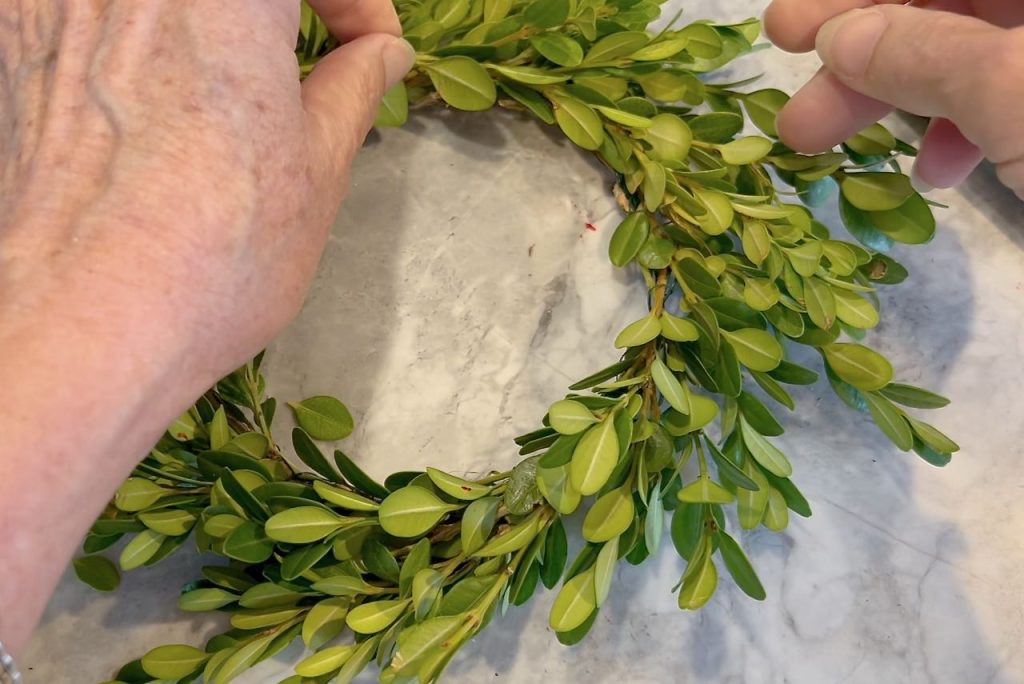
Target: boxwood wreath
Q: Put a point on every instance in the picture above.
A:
(407, 571)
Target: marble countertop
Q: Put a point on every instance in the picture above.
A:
(461, 293)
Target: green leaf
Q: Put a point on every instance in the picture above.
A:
(764, 452)
(248, 543)
(358, 479)
(752, 503)
(670, 387)
(412, 511)
(376, 616)
(171, 522)
(529, 75)
(661, 50)
(745, 151)
(140, 549)
(344, 498)
(298, 562)
(932, 437)
(654, 183)
(426, 587)
(512, 539)
(610, 516)
(556, 553)
(854, 310)
(450, 13)
(324, 418)
(861, 227)
(554, 484)
(594, 458)
(238, 485)
(678, 329)
(914, 397)
(612, 47)
(578, 121)
(220, 433)
(558, 48)
(238, 661)
(875, 140)
(570, 417)
(756, 349)
(757, 242)
(686, 528)
(704, 490)
(763, 107)
(344, 585)
(699, 582)
(669, 137)
(820, 301)
(876, 191)
(912, 223)
(325, 661)
(574, 603)
(394, 109)
(931, 456)
(864, 368)
(417, 642)
(625, 118)
(173, 662)
(760, 294)
(776, 515)
(137, 494)
(604, 570)
(546, 13)
(530, 99)
(310, 454)
(457, 487)
(716, 220)
(204, 600)
(758, 415)
(98, 572)
(806, 257)
(268, 595)
(890, 420)
(716, 127)
(628, 238)
(477, 523)
(521, 492)
(463, 83)
(739, 567)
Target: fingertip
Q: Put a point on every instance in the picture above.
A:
(786, 26)
(946, 158)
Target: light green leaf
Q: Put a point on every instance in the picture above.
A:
(344, 498)
(604, 570)
(764, 452)
(699, 582)
(614, 46)
(529, 75)
(628, 238)
(932, 437)
(820, 302)
(569, 417)
(661, 50)
(457, 487)
(558, 48)
(220, 433)
(547, 13)
(578, 121)
(757, 243)
(303, 525)
(864, 368)
(763, 107)
(137, 494)
(172, 522)
(678, 329)
(594, 458)
(705, 490)
(760, 294)
(873, 141)
(412, 511)
(745, 151)
(876, 191)
(173, 662)
(324, 622)
(625, 118)
(463, 83)
(204, 600)
(805, 258)
(325, 661)
(324, 418)
(911, 223)
(752, 503)
(239, 661)
(669, 137)
(140, 549)
(418, 641)
(719, 215)
(512, 539)
(477, 523)
(890, 420)
(854, 310)
(376, 616)
(610, 516)
(263, 618)
(574, 603)
(914, 397)
(756, 349)
(556, 486)
(394, 110)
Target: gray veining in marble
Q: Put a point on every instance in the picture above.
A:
(461, 292)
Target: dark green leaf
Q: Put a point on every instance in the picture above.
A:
(324, 418)
(739, 567)
(98, 572)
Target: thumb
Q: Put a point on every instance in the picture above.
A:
(931, 63)
(343, 94)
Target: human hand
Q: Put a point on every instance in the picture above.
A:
(162, 163)
(960, 62)
(166, 190)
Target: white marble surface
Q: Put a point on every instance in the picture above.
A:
(461, 293)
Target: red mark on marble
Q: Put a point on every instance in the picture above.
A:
(591, 227)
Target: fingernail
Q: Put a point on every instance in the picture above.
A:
(919, 184)
(847, 43)
(398, 56)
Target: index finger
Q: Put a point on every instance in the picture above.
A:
(350, 19)
(793, 24)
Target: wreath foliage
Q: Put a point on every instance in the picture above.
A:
(407, 571)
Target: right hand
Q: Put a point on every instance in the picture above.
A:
(960, 62)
